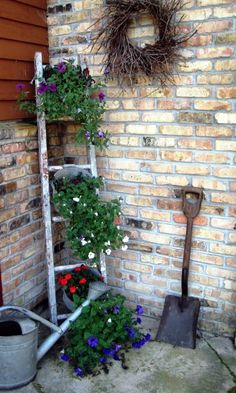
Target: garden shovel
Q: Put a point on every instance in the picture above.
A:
(178, 323)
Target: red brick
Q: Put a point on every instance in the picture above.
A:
(181, 219)
(214, 26)
(13, 147)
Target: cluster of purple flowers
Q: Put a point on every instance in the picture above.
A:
(100, 134)
(20, 86)
(101, 96)
(92, 341)
(143, 341)
(113, 351)
(61, 67)
(43, 87)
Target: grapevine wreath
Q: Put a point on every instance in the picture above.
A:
(125, 59)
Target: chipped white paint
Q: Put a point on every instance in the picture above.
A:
(44, 171)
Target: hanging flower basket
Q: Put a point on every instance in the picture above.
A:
(75, 285)
(72, 174)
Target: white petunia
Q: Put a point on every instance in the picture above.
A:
(64, 204)
(91, 255)
(118, 227)
(124, 247)
(109, 320)
(96, 214)
(108, 243)
(85, 204)
(76, 199)
(71, 212)
(108, 251)
(125, 239)
(78, 110)
(83, 242)
(92, 235)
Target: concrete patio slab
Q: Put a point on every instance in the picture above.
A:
(156, 368)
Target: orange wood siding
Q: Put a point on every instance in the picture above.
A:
(23, 31)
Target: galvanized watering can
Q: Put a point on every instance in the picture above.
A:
(19, 340)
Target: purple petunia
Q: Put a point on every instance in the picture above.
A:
(79, 372)
(20, 86)
(147, 337)
(101, 96)
(109, 351)
(116, 310)
(106, 71)
(43, 87)
(101, 134)
(139, 310)
(102, 360)
(92, 341)
(139, 320)
(143, 341)
(61, 67)
(112, 352)
(87, 135)
(53, 87)
(118, 347)
(64, 357)
(131, 332)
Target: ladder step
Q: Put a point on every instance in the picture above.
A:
(66, 267)
(54, 168)
(58, 219)
(63, 316)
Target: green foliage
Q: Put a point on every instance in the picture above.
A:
(104, 331)
(91, 225)
(68, 91)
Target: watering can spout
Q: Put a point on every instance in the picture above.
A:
(96, 289)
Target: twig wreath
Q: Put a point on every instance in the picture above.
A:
(124, 59)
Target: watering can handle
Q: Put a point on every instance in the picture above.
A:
(31, 315)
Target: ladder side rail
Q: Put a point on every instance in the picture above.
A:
(44, 174)
(92, 158)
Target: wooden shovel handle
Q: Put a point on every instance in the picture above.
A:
(191, 208)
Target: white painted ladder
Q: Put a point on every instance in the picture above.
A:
(48, 219)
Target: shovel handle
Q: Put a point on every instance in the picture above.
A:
(191, 206)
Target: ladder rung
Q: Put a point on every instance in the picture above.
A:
(58, 219)
(63, 316)
(54, 168)
(66, 267)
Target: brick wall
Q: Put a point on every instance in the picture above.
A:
(163, 139)
(21, 227)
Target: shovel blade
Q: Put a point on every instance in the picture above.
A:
(178, 324)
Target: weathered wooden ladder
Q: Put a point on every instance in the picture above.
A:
(46, 205)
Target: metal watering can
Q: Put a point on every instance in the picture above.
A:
(19, 340)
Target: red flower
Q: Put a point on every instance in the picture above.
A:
(62, 281)
(68, 276)
(78, 269)
(84, 267)
(72, 289)
(82, 281)
(101, 278)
